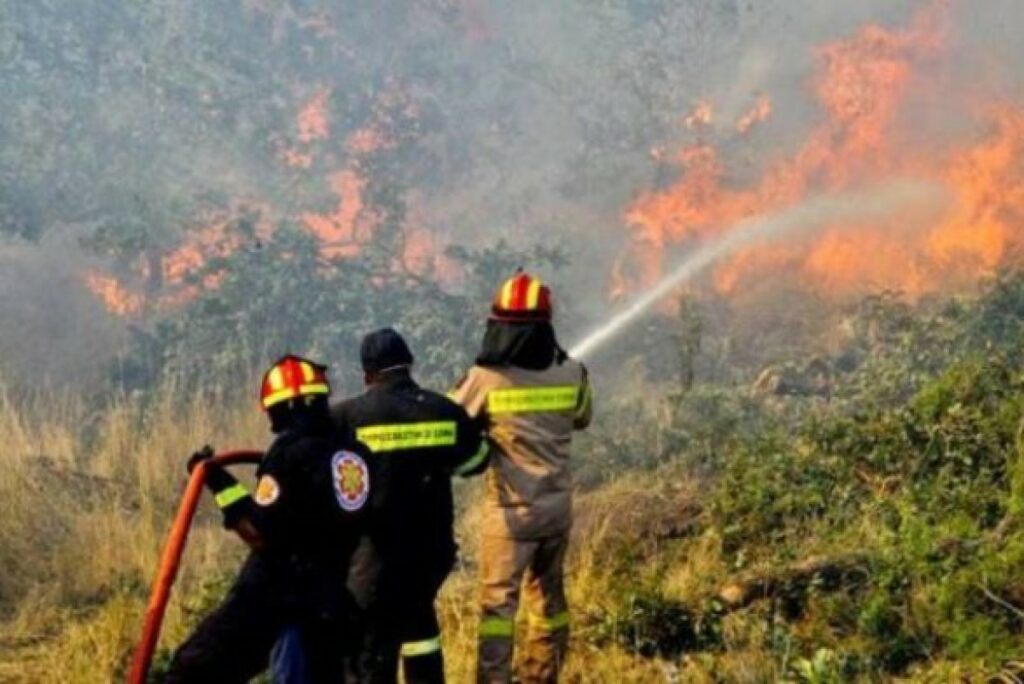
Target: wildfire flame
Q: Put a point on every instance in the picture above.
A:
(342, 232)
(702, 115)
(759, 114)
(117, 299)
(312, 120)
(864, 87)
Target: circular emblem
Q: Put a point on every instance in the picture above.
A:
(267, 491)
(351, 480)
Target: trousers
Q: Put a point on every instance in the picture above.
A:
(402, 625)
(534, 566)
(233, 643)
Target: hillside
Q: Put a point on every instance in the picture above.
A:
(850, 517)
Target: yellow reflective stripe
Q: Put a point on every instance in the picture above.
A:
(474, 460)
(289, 393)
(496, 627)
(308, 374)
(532, 399)
(276, 378)
(279, 396)
(226, 497)
(506, 293)
(551, 623)
(314, 388)
(408, 435)
(411, 649)
(533, 295)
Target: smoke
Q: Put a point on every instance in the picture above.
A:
(912, 200)
(534, 122)
(53, 333)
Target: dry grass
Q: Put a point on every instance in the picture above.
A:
(87, 494)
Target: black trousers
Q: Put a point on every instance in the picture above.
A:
(402, 625)
(233, 643)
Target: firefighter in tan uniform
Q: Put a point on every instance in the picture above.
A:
(531, 397)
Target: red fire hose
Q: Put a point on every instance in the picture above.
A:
(171, 559)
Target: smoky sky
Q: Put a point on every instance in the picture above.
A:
(537, 116)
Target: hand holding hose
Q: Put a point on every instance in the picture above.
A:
(204, 454)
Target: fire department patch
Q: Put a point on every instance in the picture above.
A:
(351, 480)
(267, 491)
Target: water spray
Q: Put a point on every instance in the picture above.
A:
(861, 206)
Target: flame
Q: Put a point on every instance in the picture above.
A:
(760, 113)
(115, 297)
(365, 141)
(312, 120)
(199, 246)
(866, 87)
(701, 116)
(343, 230)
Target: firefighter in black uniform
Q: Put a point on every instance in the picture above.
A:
(419, 439)
(302, 524)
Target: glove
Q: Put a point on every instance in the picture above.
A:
(204, 454)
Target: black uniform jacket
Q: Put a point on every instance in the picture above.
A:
(418, 440)
(310, 510)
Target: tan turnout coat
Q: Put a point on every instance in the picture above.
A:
(531, 416)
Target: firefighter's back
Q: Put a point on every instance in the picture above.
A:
(532, 415)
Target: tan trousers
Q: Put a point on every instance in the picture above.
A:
(504, 565)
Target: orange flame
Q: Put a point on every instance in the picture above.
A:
(115, 297)
(701, 116)
(312, 120)
(342, 231)
(863, 85)
(759, 114)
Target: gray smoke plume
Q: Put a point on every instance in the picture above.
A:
(535, 120)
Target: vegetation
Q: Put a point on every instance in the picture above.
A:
(722, 534)
(773, 489)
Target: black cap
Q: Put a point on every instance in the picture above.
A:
(384, 349)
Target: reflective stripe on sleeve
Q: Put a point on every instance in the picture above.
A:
(226, 497)
(551, 623)
(533, 399)
(474, 460)
(496, 627)
(407, 436)
(412, 649)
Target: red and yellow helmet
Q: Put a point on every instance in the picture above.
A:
(292, 377)
(522, 298)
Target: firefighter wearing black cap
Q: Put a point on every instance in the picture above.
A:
(419, 439)
(302, 524)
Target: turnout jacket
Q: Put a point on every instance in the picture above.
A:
(529, 416)
(418, 440)
(309, 510)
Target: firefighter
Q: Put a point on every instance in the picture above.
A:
(302, 523)
(532, 397)
(419, 439)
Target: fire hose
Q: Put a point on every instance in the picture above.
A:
(170, 560)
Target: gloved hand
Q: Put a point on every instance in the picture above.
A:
(204, 454)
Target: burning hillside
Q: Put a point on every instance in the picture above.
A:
(878, 92)
(177, 274)
(889, 106)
